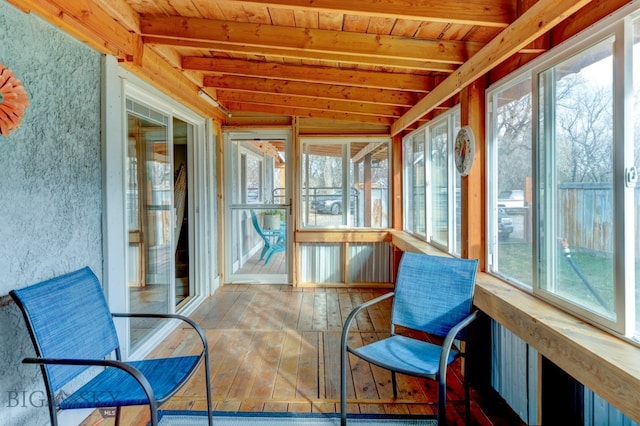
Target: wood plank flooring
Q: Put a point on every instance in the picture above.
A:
(276, 348)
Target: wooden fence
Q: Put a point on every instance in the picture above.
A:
(586, 216)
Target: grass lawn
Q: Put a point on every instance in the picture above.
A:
(593, 275)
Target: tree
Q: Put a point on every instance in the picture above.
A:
(584, 131)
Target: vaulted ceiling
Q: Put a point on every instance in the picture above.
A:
(387, 64)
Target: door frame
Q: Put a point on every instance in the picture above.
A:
(117, 86)
(251, 134)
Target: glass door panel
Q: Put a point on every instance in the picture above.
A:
(258, 210)
(149, 213)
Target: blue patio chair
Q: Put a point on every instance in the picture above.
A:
(434, 295)
(72, 330)
(274, 240)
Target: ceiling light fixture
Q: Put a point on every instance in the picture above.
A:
(204, 95)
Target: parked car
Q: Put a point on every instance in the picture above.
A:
(505, 225)
(332, 203)
(512, 200)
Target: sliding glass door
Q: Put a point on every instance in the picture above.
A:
(150, 216)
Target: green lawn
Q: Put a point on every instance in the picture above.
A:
(515, 260)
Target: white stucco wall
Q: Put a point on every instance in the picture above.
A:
(50, 188)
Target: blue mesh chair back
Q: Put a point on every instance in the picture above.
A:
(433, 293)
(88, 334)
(72, 329)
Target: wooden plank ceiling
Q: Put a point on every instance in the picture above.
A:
(387, 65)
(362, 61)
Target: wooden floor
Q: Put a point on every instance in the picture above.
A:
(276, 348)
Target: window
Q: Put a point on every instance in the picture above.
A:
(576, 163)
(414, 177)
(563, 146)
(431, 199)
(509, 199)
(345, 182)
(439, 183)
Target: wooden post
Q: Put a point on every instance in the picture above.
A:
(472, 100)
(395, 221)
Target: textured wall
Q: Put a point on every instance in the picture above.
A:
(50, 187)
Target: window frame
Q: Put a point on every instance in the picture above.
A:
(452, 245)
(620, 26)
(346, 179)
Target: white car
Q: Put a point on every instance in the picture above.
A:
(512, 200)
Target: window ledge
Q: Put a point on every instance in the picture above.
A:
(607, 365)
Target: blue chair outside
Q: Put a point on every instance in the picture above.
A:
(72, 330)
(274, 240)
(434, 295)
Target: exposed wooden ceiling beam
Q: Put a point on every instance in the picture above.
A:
(270, 149)
(539, 19)
(470, 12)
(321, 41)
(171, 81)
(408, 64)
(369, 148)
(228, 96)
(312, 90)
(87, 22)
(328, 75)
(122, 13)
(303, 112)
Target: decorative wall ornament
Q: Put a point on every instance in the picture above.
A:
(464, 150)
(13, 101)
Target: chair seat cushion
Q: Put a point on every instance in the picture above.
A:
(405, 355)
(113, 386)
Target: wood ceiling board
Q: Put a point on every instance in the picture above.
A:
(498, 13)
(313, 90)
(328, 75)
(322, 41)
(335, 59)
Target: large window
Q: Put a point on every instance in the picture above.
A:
(563, 146)
(576, 176)
(431, 186)
(345, 182)
(509, 201)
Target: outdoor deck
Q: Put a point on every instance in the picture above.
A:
(276, 348)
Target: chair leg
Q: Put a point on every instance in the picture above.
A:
(343, 387)
(467, 396)
(442, 398)
(265, 248)
(394, 384)
(266, 261)
(207, 375)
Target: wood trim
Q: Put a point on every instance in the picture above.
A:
(342, 236)
(396, 183)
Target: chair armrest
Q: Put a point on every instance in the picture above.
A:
(451, 336)
(140, 378)
(356, 311)
(183, 318)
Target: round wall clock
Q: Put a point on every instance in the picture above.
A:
(464, 150)
(13, 101)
